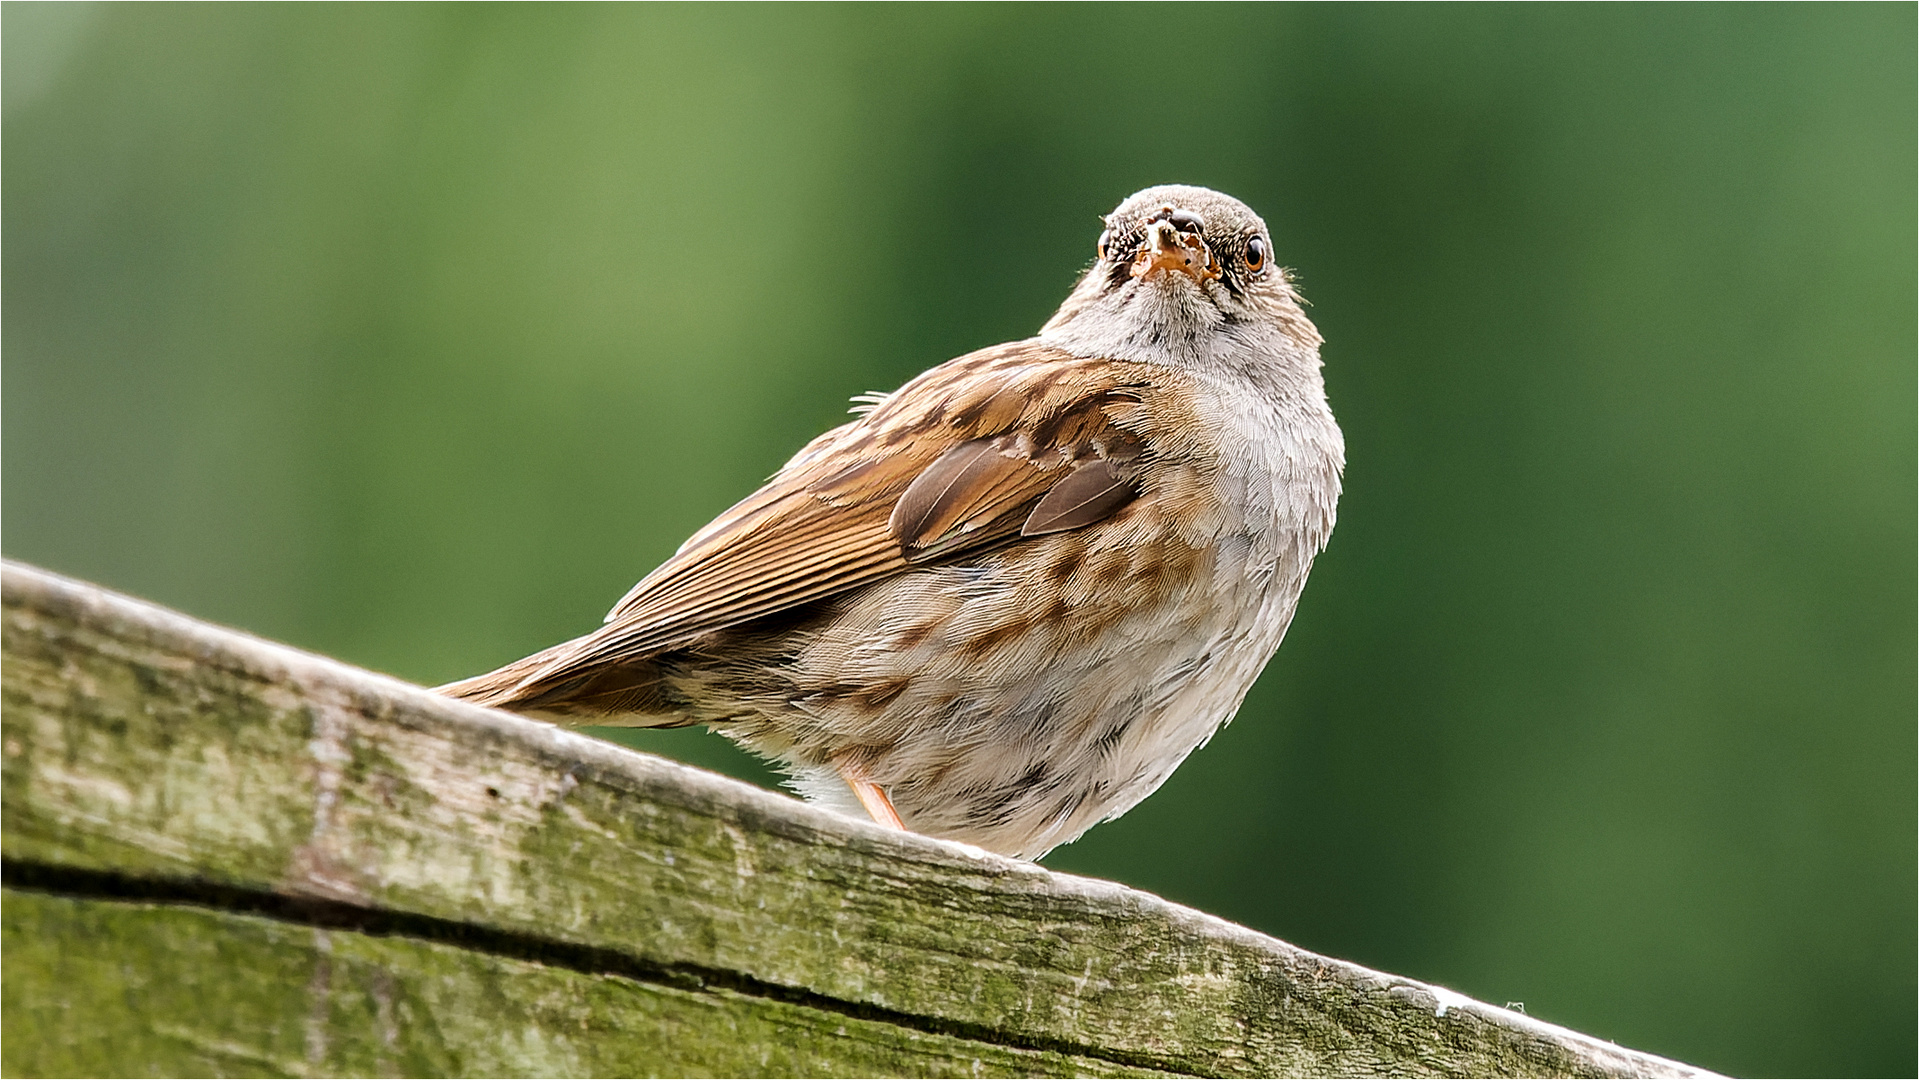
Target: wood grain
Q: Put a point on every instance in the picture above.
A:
(176, 787)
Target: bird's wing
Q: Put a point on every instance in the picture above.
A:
(1018, 440)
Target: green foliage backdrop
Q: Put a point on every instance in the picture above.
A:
(415, 335)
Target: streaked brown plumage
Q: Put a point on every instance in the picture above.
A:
(1006, 601)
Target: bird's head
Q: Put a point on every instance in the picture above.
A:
(1178, 264)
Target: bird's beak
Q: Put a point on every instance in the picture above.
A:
(1167, 248)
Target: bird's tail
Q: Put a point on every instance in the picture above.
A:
(546, 686)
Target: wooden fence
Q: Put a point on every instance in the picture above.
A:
(223, 856)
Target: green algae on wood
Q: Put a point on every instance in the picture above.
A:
(187, 991)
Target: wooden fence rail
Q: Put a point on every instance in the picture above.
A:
(223, 855)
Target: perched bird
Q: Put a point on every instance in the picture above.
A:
(1007, 600)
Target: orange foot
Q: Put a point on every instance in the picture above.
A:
(871, 795)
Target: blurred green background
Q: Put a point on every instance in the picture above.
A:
(415, 335)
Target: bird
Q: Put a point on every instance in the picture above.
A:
(1006, 600)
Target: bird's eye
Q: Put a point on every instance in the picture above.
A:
(1256, 255)
(1103, 238)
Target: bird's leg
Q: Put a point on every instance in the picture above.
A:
(871, 795)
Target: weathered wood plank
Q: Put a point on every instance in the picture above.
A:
(142, 744)
(95, 985)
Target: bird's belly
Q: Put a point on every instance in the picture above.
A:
(1017, 701)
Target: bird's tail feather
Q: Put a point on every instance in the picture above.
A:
(625, 694)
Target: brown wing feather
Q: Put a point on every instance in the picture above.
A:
(972, 496)
(957, 461)
(945, 494)
(1095, 490)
